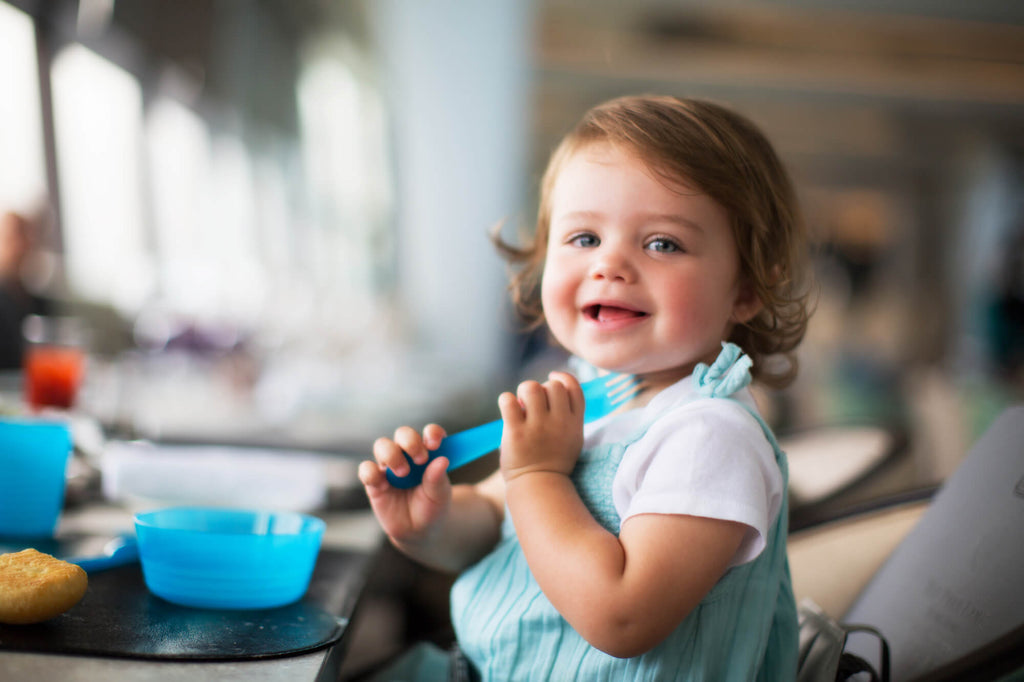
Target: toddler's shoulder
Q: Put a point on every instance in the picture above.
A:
(729, 418)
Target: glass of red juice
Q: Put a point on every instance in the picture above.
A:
(54, 362)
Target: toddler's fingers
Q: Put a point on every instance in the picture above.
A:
(412, 443)
(433, 435)
(533, 396)
(371, 475)
(573, 389)
(559, 400)
(389, 454)
(511, 409)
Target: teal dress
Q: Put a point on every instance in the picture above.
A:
(744, 629)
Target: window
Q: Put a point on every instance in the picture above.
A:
(179, 154)
(22, 170)
(345, 161)
(98, 126)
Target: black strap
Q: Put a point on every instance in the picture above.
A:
(822, 651)
(850, 664)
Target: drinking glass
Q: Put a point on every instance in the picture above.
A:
(54, 364)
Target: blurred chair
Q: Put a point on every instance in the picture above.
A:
(937, 571)
(829, 465)
(833, 561)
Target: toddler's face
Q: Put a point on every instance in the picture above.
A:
(640, 277)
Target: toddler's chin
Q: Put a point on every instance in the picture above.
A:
(615, 366)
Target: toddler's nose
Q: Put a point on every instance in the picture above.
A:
(612, 264)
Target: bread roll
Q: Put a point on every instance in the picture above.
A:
(35, 587)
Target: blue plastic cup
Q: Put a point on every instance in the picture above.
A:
(222, 558)
(33, 463)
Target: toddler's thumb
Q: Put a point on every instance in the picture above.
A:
(436, 483)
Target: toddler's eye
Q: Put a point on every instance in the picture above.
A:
(584, 240)
(662, 245)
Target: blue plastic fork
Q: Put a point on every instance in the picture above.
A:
(601, 396)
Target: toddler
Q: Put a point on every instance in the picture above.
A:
(650, 544)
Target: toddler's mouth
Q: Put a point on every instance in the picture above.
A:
(610, 313)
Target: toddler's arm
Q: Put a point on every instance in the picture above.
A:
(623, 594)
(440, 525)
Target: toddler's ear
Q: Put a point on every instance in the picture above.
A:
(747, 303)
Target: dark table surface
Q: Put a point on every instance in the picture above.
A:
(119, 617)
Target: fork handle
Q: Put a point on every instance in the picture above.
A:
(460, 448)
(466, 446)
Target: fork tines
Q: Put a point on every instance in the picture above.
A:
(622, 387)
(606, 393)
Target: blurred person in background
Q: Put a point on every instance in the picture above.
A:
(19, 242)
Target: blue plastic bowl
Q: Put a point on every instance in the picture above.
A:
(33, 461)
(228, 558)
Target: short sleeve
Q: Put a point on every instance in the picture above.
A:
(706, 458)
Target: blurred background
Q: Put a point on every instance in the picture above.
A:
(272, 216)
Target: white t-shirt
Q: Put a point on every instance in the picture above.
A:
(703, 457)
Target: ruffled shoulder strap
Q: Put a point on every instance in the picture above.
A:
(727, 374)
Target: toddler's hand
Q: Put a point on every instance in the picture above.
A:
(543, 426)
(407, 515)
